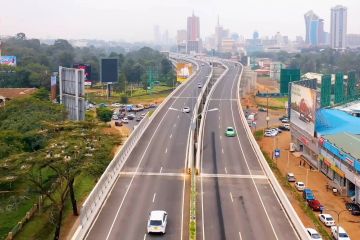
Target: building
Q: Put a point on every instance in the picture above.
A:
(7, 94)
(193, 34)
(309, 17)
(228, 45)
(157, 34)
(314, 26)
(353, 40)
(181, 39)
(220, 35)
(338, 28)
(275, 69)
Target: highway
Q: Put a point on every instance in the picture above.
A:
(236, 200)
(153, 178)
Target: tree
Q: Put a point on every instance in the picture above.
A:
(20, 36)
(42, 94)
(104, 114)
(122, 82)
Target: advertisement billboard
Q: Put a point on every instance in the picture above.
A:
(8, 60)
(303, 107)
(109, 70)
(87, 69)
(183, 71)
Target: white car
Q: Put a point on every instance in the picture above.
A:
(327, 219)
(285, 120)
(342, 234)
(186, 109)
(313, 234)
(271, 133)
(125, 120)
(199, 85)
(116, 105)
(157, 222)
(300, 186)
(115, 117)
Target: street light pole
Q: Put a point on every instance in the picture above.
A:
(338, 217)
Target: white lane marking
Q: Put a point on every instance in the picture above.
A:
(145, 236)
(246, 162)
(170, 136)
(166, 150)
(219, 125)
(178, 116)
(225, 170)
(161, 169)
(240, 236)
(153, 174)
(174, 125)
(138, 166)
(231, 196)
(222, 150)
(154, 197)
(220, 137)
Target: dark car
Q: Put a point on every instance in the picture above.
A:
(118, 123)
(353, 208)
(315, 205)
(284, 128)
(262, 109)
(138, 119)
(283, 117)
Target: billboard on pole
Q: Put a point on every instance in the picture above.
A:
(109, 70)
(8, 60)
(183, 71)
(303, 107)
(87, 69)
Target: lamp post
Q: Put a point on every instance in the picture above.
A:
(338, 218)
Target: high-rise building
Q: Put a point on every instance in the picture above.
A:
(321, 32)
(193, 28)
(193, 34)
(181, 38)
(157, 34)
(338, 28)
(309, 17)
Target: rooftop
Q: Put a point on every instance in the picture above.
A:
(333, 121)
(348, 142)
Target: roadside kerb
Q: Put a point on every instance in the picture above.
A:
(289, 210)
(96, 198)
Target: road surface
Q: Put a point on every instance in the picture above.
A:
(153, 177)
(237, 200)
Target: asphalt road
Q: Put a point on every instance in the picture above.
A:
(237, 200)
(153, 177)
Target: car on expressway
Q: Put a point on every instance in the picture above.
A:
(313, 234)
(300, 186)
(157, 222)
(342, 233)
(199, 85)
(230, 132)
(186, 110)
(125, 120)
(327, 219)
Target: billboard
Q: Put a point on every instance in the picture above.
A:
(109, 70)
(303, 107)
(87, 69)
(8, 60)
(183, 71)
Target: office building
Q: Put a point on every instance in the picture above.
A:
(314, 26)
(338, 28)
(193, 34)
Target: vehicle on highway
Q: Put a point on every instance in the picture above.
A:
(300, 186)
(157, 222)
(342, 233)
(313, 234)
(290, 177)
(230, 132)
(199, 85)
(308, 194)
(353, 208)
(186, 109)
(143, 115)
(285, 120)
(327, 219)
(315, 205)
(203, 64)
(125, 120)
(138, 119)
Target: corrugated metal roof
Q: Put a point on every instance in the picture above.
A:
(348, 142)
(332, 121)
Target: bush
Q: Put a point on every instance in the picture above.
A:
(104, 114)
(124, 99)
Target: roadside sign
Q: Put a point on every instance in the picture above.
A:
(277, 153)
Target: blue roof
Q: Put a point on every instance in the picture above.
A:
(332, 121)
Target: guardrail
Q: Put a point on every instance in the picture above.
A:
(289, 210)
(96, 198)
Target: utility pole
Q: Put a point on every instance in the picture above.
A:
(267, 109)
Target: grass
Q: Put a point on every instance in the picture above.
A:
(302, 203)
(258, 135)
(40, 228)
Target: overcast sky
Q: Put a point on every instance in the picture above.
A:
(134, 20)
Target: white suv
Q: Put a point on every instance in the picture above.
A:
(157, 222)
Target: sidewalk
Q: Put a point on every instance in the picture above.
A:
(315, 181)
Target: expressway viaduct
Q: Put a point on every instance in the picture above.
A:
(235, 198)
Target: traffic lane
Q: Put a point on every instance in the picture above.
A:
(279, 219)
(149, 193)
(102, 223)
(232, 209)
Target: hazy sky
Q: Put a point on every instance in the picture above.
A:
(134, 20)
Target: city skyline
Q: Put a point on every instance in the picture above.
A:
(116, 21)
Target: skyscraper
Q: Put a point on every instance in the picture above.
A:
(338, 28)
(193, 34)
(309, 17)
